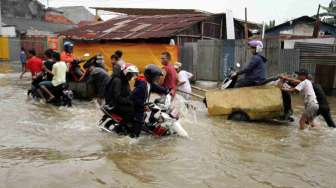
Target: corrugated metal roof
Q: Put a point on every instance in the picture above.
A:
(150, 11)
(306, 19)
(316, 53)
(136, 27)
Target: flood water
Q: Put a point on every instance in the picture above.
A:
(47, 146)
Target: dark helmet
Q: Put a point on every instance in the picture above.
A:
(152, 72)
(68, 46)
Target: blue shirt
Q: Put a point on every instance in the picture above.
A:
(256, 69)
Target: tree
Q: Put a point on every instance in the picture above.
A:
(270, 24)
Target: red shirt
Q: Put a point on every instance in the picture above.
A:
(67, 57)
(170, 80)
(34, 64)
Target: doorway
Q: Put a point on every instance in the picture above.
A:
(325, 76)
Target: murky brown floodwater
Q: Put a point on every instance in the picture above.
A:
(46, 146)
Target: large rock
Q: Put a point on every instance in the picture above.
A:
(82, 90)
(261, 102)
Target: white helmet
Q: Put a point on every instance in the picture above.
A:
(129, 68)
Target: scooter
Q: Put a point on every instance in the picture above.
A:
(160, 120)
(229, 80)
(63, 95)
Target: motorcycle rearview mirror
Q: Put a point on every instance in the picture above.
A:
(238, 65)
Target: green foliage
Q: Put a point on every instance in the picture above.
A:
(270, 24)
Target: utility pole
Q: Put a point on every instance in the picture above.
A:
(245, 25)
(317, 23)
(246, 35)
(0, 20)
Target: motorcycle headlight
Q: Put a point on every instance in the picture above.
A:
(174, 114)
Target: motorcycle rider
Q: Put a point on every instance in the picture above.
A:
(100, 61)
(255, 71)
(144, 86)
(67, 54)
(59, 70)
(99, 78)
(118, 95)
(116, 68)
(47, 64)
(119, 55)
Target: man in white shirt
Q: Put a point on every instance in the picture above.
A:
(183, 83)
(305, 87)
(59, 71)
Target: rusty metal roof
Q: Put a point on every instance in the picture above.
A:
(150, 11)
(136, 27)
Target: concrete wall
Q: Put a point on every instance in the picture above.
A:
(14, 49)
(8, 31)
(301, 29)
(77, 14)
(23, 9)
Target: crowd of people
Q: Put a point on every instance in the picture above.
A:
(115, 90)
(48, 74)
(112, 91)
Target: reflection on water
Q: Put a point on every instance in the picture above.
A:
(47, 146)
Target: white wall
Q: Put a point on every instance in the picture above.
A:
(32, 32)
(8, 31)
(301, 29)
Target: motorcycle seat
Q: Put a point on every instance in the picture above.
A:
(58, 90)
(116, 117)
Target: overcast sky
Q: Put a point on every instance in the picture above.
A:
(258, 10)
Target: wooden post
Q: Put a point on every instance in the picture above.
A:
(245, 25)
(221, 28)
(317, 24)
(0, 21)
(246, 36)
(202, 30)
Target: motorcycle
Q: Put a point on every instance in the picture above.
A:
(63, 95)
(229, 80)
(160, 120)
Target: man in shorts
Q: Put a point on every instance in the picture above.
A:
(305, 87)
